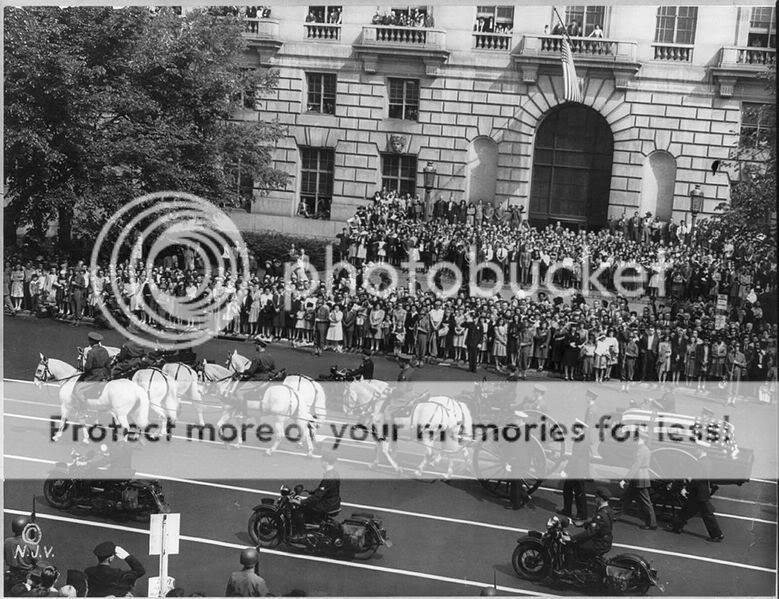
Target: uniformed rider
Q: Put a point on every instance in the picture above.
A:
(364, 370)
(96, 369)
(261, 368)
(596, 537)
(131, 357)
(324, 499)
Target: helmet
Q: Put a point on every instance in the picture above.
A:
(18, 524)
(249, 557)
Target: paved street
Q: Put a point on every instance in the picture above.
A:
(448, 538)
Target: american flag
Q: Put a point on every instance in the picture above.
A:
(573, 92)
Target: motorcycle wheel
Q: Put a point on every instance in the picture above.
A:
(530, 562)
(369, 551)
(265, 529)
(59, 493)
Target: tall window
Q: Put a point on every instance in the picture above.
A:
(676, 24)
(404, 99)
(757, 121)
(316, 183)
(399, 173)
(324, 14)
(494, 19)
(321, 92)
(586, 17)
(762, 27)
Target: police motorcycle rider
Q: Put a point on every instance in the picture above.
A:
(117, 463)
(97, 365)
(364, 370)
(262, 368)
(324, 500)
(595, 539)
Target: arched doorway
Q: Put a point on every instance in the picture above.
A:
(572, 168)
(657, 185)
(482, 169)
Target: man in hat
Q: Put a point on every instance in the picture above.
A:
(364, 370)
(326, 498)
(638, 487)
(96, 369)
(130, 358)
(596, 538)
(262, 368)
(404, 361)
(576, 474)
(103, 580)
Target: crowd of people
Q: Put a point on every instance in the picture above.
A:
(681, 334)
(404, 18)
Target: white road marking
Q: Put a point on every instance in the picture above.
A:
(313, 558)
(430, 517)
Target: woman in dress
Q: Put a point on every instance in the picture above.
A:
(17, 287)
(299, 309)
(719, 352)
(541, 346)
(601, 357)
(254, 311)
(335, 333)
(375, 325)
(459, 336)
(664, 351)
(702, 358)
(500, 337)
(571, 353)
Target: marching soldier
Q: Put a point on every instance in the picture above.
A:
(576, 473)
(18, 554)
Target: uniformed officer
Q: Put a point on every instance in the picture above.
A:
(18, 554)
(596, 537)
(130, 358)
(103, 580)
(261, 368)
(364, 370)
(247, 582)
(638, 487)
(576, 473)
(96, 369)
(404, 361)
(697, 501)
(324, 499)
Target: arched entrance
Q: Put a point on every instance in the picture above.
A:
(482, 169)
(572, 168)
(657, 185)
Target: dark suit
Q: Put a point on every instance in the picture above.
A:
(596, 538)
(647, 350)
(698, 501)
(96, 367)
(325, 498)
(639, 484)
(578, 471)
(104, 580)
(473, 339)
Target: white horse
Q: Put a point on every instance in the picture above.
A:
(187, 385)
(440, 423)
(119, 397)
(360, 395)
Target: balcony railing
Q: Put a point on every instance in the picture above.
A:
(589, 47)
(396, 35)
(673, 52)
(323, 31)
(500, 42)
(747, 56)
(261, 29)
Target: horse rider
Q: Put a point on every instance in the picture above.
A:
(324, 499)
(364, 370)
(96, 370)
(131, 357)
(596, 538)
(262, 368)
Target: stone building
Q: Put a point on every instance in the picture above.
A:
(477, 92)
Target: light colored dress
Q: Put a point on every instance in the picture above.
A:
(499, 341)
(459, 332)
(336, 330)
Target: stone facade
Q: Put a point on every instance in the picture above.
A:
(689, 109)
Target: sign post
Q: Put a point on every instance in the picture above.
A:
(163, 541)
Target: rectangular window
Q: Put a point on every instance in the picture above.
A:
(757, 121)
(676, 24)
(586, 18)
(324, 14)
(404, 99)
(762, 27)
(399, 173)
(321, 92)
(494, 19)
(316, 182)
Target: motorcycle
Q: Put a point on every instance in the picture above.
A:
(67, 487)
(271, 524)
(546, 555)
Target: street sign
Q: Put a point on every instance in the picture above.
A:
(154, 586)
(164, 533)
(722, 301)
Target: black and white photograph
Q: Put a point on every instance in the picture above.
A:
(356, 300)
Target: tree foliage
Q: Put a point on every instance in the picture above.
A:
(103, 105)
(751, 213)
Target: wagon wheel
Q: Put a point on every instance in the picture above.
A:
(490, 459)
(553, 450)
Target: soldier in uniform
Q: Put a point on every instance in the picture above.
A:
(96, 370)
(596, 538)
(364, 370)
(639, 484)
(262, 368)
(18, 555)
(131, 358)
(697, 501)
(103, 580)
(247, 581)
(576, 473)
